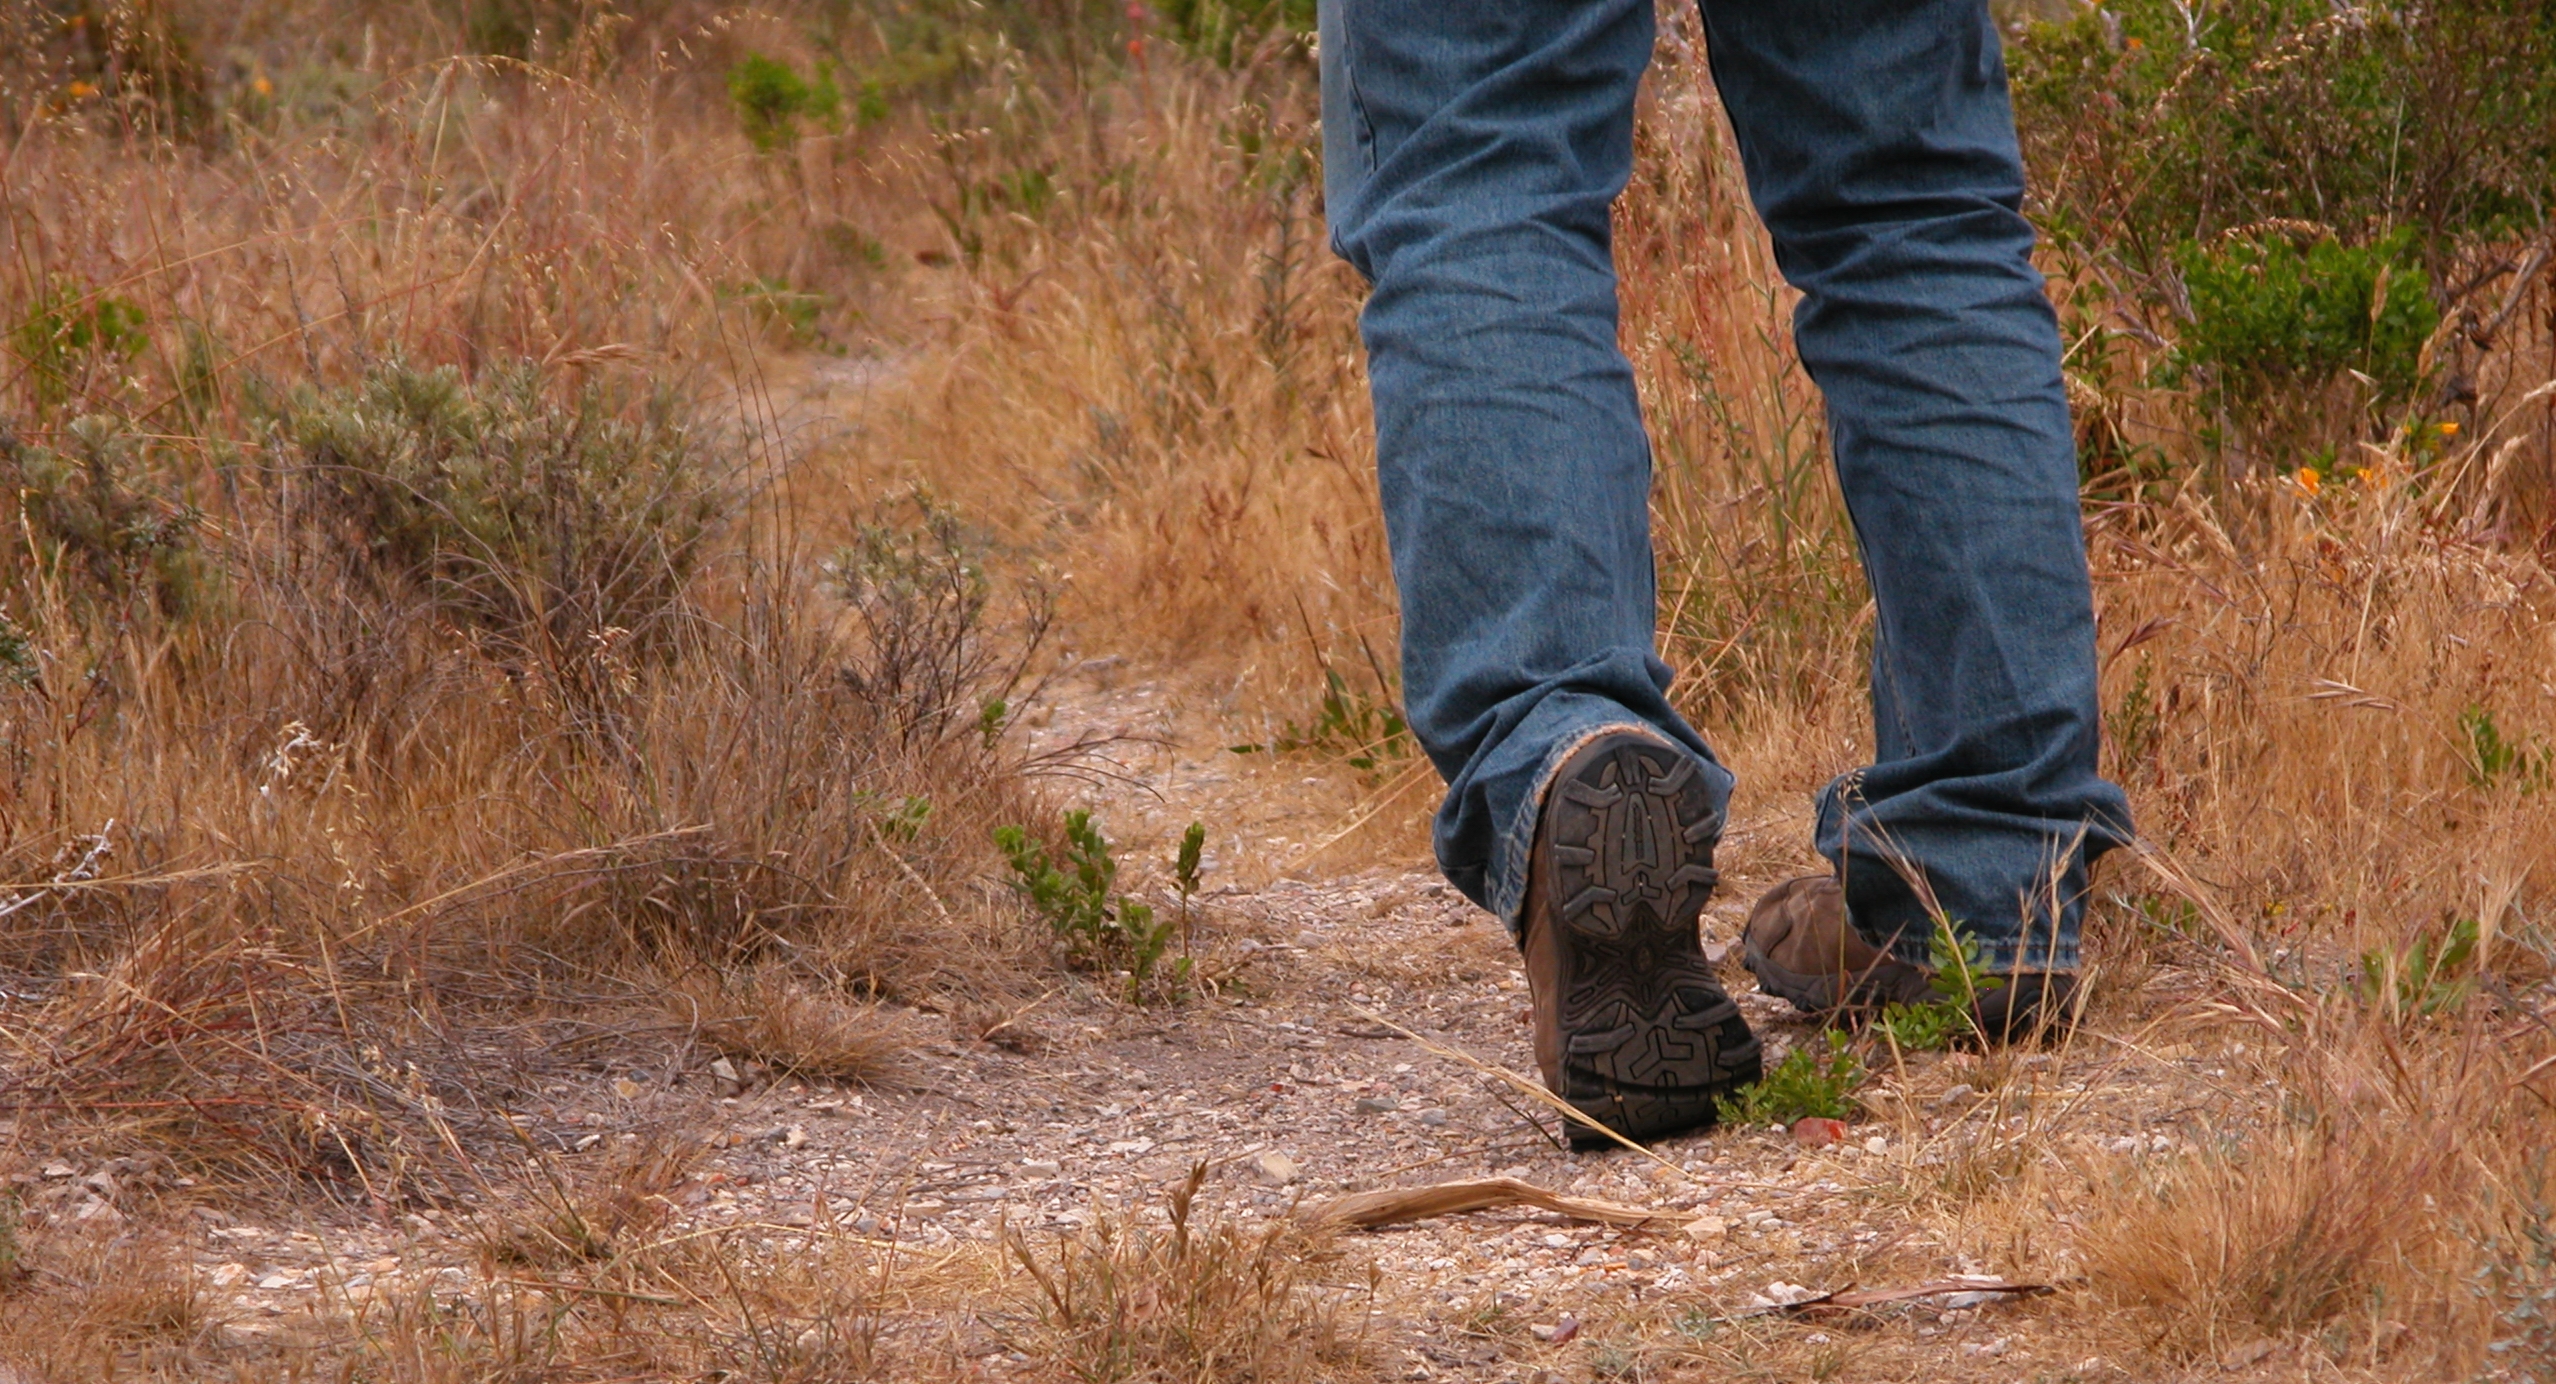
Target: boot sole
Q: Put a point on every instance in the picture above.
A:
(1650, 1037)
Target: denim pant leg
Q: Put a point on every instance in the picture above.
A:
(1880, 150)
(1471, 152)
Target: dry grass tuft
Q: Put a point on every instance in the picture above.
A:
(768, 1018)
(1201, 1296)
(2288, 1233)
(84, 1299)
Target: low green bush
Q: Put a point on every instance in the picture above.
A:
(1099, 928)
(1815, 1080)
(110, 523)
(545, 522)
(772, 98)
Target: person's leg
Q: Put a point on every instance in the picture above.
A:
(1471, 153)
(1881, 152)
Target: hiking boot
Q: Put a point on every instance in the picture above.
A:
(2032, 1005)
(1630, 1026)
(1800, 947)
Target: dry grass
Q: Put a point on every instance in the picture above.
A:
(315, 854)
(786, 1029)
(1201, 1297)
(407, 664)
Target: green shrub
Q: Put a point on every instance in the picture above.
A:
(1361, 728)
(21, 662)
(2151, 123)
(1813, 1081)
(2290, 190)
(2432, 974)
(70, 333)
(553, 525)
(1230, 31)
(106, 519)
(1959, 981)
(929, 660)
(522, 29)
(2273, 327)
(794, 314)
(1098, 929)
(772, 98)
(2495, 757)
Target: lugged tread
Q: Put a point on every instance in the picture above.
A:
(1652, 1036)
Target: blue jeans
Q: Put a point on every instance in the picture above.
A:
(1472, 149)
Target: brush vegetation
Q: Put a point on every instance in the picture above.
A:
(430, 642)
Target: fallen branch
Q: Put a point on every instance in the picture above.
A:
(1395, 1205)
(1848, 1299)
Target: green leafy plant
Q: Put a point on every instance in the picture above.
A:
(903, 820)
(1185, 868)
(2136, 721)
(2494, 757)
(71, 331)
(20, 661)
(2271, 323)
(2150, 122)
(1229, 30)
(794, 314)
(522, 29)
(101, 507)
(1097, 927)
(548, 523)
(1360, 728)
(1813, 1080)
(2433, 974)
(1933, 1024)
(930, 662)
(771, 98)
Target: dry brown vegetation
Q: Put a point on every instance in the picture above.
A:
(438, 650)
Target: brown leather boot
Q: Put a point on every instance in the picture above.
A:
(1630, 1025)
(1801, 948)
(2029, 1007)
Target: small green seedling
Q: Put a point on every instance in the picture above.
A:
(1193, 847)
(1808, 1083)
(1098, 929)
(1932, 1025)
(2431, 976)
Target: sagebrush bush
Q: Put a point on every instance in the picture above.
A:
(108, 523)
(546, 523)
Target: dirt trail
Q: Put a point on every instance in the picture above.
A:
(1284, 1083)
(1291, 1093)
(1287, 1088)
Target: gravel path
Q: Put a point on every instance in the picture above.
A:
(1287, 1087)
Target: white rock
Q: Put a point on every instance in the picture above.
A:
(1275, 1168)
